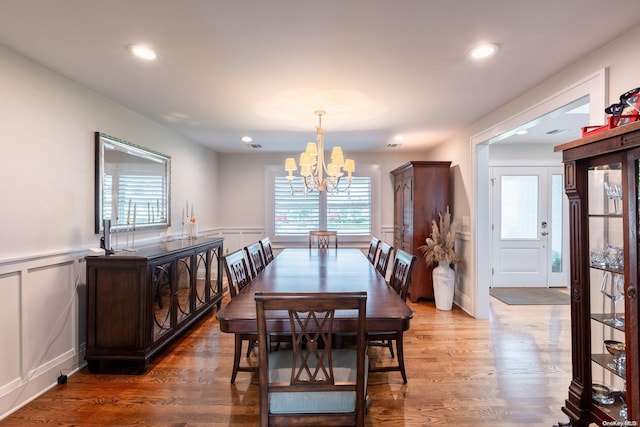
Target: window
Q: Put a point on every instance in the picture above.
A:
(351, 213)
(294, 214)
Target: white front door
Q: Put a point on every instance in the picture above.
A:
(527, 234)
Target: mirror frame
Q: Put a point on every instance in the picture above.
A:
(136, 151)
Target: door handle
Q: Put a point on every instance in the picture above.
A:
(544, 233)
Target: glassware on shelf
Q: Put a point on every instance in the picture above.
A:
(623, 398)
(614, 257)
(614, 192)
(611, 291)
(617, 349)
(623, 412)
(602, 394)
(597, 258)
(610, 257)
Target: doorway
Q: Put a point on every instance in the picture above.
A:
(528, 215)
(476, 302)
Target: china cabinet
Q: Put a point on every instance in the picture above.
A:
(421, 192)
(602, 182)
(138, 302)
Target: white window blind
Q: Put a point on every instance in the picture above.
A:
(295, 214)
(348, 212)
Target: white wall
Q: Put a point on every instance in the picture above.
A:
(46, 214)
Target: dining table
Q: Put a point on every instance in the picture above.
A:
(319, 270)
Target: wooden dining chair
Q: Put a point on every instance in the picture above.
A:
(311, 384)
(400, 281)
(373, 250)
(322, 239)
(267, 250)
(255, 257)
(238, 277)
(384, 254)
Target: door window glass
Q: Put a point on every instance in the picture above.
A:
(519, 207)
(556, 223)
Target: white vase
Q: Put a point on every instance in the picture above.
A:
(443, 285)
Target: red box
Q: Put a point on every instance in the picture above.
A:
(612, 122)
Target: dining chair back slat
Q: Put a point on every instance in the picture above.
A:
(238, 275)
(401, 273)
(373, 250)
(255, 257)
(322, 239)
(384, 255)
(267, 250)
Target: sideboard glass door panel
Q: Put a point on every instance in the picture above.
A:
(183, 288)
(202, 263)
(162, 301)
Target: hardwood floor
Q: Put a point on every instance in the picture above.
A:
(510, 370)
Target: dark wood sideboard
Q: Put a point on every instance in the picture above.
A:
(138, 302)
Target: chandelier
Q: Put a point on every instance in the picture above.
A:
(313, 167)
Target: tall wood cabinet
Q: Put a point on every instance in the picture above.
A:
(138, 302)
(421, 191)
(602, 182)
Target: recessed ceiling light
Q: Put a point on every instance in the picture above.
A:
(398, 138)
(484, 50)
(247, 139)
(522, 132)
(141, 51)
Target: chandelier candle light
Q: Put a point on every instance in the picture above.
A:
(313, 166)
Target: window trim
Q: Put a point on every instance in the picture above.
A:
(370, 170)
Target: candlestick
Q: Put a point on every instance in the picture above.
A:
(129, 213)
(134, 215)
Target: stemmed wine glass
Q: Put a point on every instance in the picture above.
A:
(614, 191)
(610, 292)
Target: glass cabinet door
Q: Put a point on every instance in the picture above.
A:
(162, 298)
(202, 263)
(215, 275)
(606, 239)
(183, 288)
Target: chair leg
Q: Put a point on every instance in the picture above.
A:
(251, 345)
(236, 357)
(390, 347)
(399, 347)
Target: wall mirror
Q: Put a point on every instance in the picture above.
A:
(132, 185)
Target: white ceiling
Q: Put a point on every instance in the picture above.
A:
(229, 68)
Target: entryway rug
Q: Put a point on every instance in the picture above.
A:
(530, 296)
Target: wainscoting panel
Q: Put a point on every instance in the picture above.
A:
(50, 313)
(10, 331)
(39, 325)
(238, 238)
